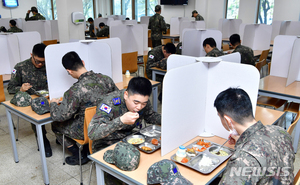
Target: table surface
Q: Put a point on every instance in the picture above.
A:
(124, 84)
(267, 116)
(6, 77)
(158, 69)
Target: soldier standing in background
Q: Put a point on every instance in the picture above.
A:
(36, 15)
(68, 117)
(13, 27)
(197, 16)
(157, 25)
(91, 27)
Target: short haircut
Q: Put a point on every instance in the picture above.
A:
(90, 19)
(170, 48)
(157, 8)
(235, 103)
(139, 85)
(99, 15)
(12, 22)
(235, 39)
(101, 24)
(72, 61)
(38, 50)
(210, 41)
(34, 9)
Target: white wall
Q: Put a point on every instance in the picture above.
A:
(215, 12)
(287, 10)
(103, 7)
(18, 12)
(248, 11)
(169, 11)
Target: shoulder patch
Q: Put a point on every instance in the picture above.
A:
(14, 71)
(117, 101)
(105, 108)
(151, 56)
(180, 47)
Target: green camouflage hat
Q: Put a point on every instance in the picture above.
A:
(165, 172)
(40, 105)
(125, 156)
(21, 99)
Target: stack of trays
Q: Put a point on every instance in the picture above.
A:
(205, 162)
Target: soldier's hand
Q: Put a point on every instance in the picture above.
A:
(233, 139)
(54, 100)
(96, 27)
(129, 118)
(28, 11)
(25, 87)
(229, 52)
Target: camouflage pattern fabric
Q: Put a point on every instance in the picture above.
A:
(165, 172)
(26, 72)
(35, 17)
(21, 99)
(214, 53)
(14, 29)
(179, 48)
(157, 25)
(247, 56)
(68, 117)
(91, 30)
(261, 147)
(104, 32)
(106, 128)
(40, 105)
(199, 18)
(125, 156)
(154, 56)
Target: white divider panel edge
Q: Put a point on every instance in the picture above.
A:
(241, 31)
(36, 26)
(14, 50)
(262, 38)
(233, 57)
(229, 26)
(174, 26)
(129, 22)
(292, 28)
(114, 23)
(275, 28)
(293, 73)
(145, 20)
(145, 37)
(54, 29)
(249, 35)
(184, 24)
(26, 42)
(5, 62)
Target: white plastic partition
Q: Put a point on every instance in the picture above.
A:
(145, 37)
(26, 41)
(290, 28)
(117, 17)
(5, 22)
(229, 27)
(145, 20)
(54, 30)
(175, 24)
(5, 62)
(294, 71)
(276, 25)
(195, 113)
(126, 22)
(43, 27)
(190, 24)
(193, 39)
(115, 23)
(257, 36)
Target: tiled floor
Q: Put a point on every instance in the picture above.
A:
(28, 170)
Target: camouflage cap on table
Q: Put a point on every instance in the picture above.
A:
(40, 105)
(21, 99)
(165, 172)
(125, 156)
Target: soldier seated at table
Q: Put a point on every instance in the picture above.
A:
(36, 15)
(197, 16)
(68, 116)
(210, 47)
(263, 154)
(13, 27)
(247, 56)
(104, 30)
(30, 76)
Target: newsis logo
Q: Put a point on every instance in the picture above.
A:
(260, 171)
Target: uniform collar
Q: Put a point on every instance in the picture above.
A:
(88, 73)
(246, 135)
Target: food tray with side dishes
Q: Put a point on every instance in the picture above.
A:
(204, 161)
(147, 139)
(43, 93)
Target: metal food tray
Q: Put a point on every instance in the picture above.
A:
(194, 160)
(150, 132)
(42, 93)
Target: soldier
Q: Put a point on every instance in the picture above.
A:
(91, 27)
(157, 57)
(104, 30)
(263, 154)
(30, 76)
(69, 115)
(197, 16)
(36, 15)
(157, 25)
(247, 56)
(209, 45)
(13, 27)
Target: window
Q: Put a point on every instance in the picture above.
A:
(88, 8)
(140, 9)
(232, 9)
(117, 7)
(151, 6)
(43, 8)
(127, 8)
(265, 11)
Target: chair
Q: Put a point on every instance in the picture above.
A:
(2, 94)
(149, 39)
(259, 65)
(293, 108)
(263, 57)
(145, 59)
(225, 47)
(129, 62)
(165, 41)
(269, 101)
(269, 68)
(48, 42)
(297, 179)
(293, 125)
(89, 113)
(102, 37)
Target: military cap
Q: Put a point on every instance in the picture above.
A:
(157, 8)
(40, 105)
(21, 99)
(125, 156)
(195, 11)
(165, 172)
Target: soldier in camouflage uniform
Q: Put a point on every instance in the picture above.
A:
(157, 25)
(210, 47)
(157, 57)
(91, 27)
(104, 32)
(247, 56)
(197, 16)
(179, 48)
(13, 27)
(36, 15)
(257, 147)
(69, 115)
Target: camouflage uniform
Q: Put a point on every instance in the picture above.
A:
(104, 32)
(247, 56)
(199, 18)
(156, 58)
(14, 29)
(69, 115)
(157, 25)
(261, 146)
(35, 17)
(214, 53)
(106, 128)
(179, 48)
(91, 30)
(26, 72)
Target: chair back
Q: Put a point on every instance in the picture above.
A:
(2, 94)
(48, 42)
(225, 47)
(102, 37)
(264, 56)
(259, 65)
(297, 179)
(145, 59)
(165, 41)
(129, 62)
(293, 125)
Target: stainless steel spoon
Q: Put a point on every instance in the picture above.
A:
(218, 152)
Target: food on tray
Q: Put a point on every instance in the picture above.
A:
(204, 144)
(222, 153)
(154, 141)
(44, 92)
(184, 160)
(135, 141)
(60, 99)
(205, 161)
(190, 151)
(199, 150)
(146, 148)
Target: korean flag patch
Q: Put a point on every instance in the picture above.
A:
(105, 108)
(151, 56)
(14, 71)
